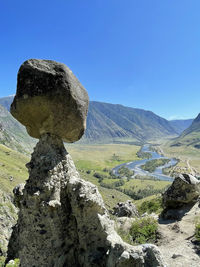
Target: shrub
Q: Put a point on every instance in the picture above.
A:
(144, 230)
(97, 175)
(197, 231)
(124, 171)
(149, 206)
(12, 263)
(2, 261)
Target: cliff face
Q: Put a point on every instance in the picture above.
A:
(8, 218)
(63, 221)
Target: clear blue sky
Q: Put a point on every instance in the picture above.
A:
(139, 53)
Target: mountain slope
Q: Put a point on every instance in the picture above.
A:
(13, 134)
(191, 136)
(116, 122)
(180, 125)
(6, 101)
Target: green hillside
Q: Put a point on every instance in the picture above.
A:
(13, 134)
(12, 168)
(114, 123)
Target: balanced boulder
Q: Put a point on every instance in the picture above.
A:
(62, 220)
(50, 99)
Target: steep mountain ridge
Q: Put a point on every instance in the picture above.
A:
(114, 122)
(191, 136)
(13, 134)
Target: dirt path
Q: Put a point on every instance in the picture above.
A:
(176, 243)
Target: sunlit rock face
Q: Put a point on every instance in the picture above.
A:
(50, 99)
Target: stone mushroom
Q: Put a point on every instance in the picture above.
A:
(50, 99)
(62, 220)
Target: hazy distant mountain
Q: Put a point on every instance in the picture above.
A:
(191, 136)
(180, 125)
(117, 123)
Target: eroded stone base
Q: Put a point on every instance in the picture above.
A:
(63, 221)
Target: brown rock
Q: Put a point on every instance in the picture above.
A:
(50, 99)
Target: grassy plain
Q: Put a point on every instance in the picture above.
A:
(98, 157)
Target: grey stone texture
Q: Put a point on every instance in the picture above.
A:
(50, 99)
(63, 221)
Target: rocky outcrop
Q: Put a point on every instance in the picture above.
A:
(125, 209)
(185, 189)
(63, 220)
(179, 198)
(50, 99)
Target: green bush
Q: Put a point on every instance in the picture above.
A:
(2, 261)
(197, 231)
(14, 264)
(149, 206)
(124, 171)
(144, 230)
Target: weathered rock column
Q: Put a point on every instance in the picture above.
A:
(62, 218)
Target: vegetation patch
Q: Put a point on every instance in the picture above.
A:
(197, 231)
(143, 155)
(144, 230)
(151, 165)
(150, 206)
(125, 172)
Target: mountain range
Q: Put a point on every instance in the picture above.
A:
(106, 123)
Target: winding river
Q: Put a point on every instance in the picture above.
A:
(136, 166)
